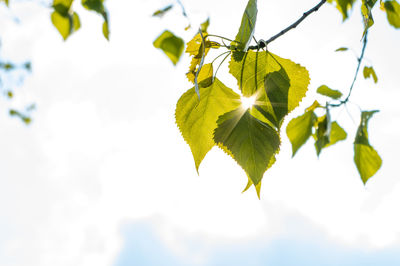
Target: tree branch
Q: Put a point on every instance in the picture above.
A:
(365, 41)
(262, 44)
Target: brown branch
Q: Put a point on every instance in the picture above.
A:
(262, 44)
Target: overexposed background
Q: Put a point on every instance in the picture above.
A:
(103, 177)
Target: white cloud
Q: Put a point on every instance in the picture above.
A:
(103, 149)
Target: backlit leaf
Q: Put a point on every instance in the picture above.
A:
(62, 6)
(205, 76)
(161, 12)
(366, 11)
(366, 157)
(299, 129)
(5, 1)
(106, 30)
(204, 25)
(62, 24)
(370, 72)
(326, 91)
(344, 6)
(337, 133)
(171, 45)
(392, 9)
(98, 7)
(251, 142)
(198, 119)
(341, 49)
(278, 83)
(246, 30)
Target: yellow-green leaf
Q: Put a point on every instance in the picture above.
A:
(392, 9)
(299, 129)
(204, 25)
(326, 91)
(251, 142)
(5, 1)
(62, 24)
(171, 45)
(106, 30)
(161, 12)
(62, 6)
(205, 76)
(76, 21)
(344, 6)
(341, 49)
(246, 30)
(366, 157)
(198, 119)
(370, 72)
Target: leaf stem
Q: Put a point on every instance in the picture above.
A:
(365, 41)
(292, 26)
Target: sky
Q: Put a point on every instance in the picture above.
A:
(103, 177)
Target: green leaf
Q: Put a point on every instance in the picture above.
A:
(367, 161)
(251, 142)
(106, 30)
(326, 91)
(279, 84)
(392, 9)
(366, 158)
(94, 5)
(341, 49)
(370, 72)
(204, 25)
(198, 119)
(299, 129)
(62, 6)
(5, 1)
(62, 24)
(171, 45)
(344, 6)
(366, 8)
(323, 140)
(161, 12)
(337, 134)
(76, 22)
(246, 30)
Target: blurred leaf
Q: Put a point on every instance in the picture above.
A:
(246, 30)
(370, 72)
(161, 12)
(7, 66)
(62, 24)
(28, 66)
(326, 91)
(204, 25)
(299, 129)
(366, 157)
(62, 7)
(341, 49)
(392, 9)
(27, 120)
(366, 11)
(5, 1)
(198, 119)
(10, 94)
(171, 45)
(344, 6)
(251, 142)
(106, 31)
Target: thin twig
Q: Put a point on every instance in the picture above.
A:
(203, 44)
(183, 9)
(292, 26)
(365, 41)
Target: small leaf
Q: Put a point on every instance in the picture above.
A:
(76, 21)
(204, 25)
(62, 7)
(246, 30)
(366, 11)
(299, 129)
(251, 142)
(366, 157)
(10, 94)
(62, 24)
(392, 9)
(326, 91)
(337, 134)
(106, 30)
(370, 72)
(198, 119)
(171, 45)
(344, 6)
(341, 49)
(161, 12)
(367, 161)
(205, 76)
